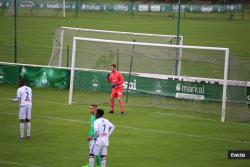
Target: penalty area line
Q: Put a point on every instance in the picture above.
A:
(19, 164)
(146, 130)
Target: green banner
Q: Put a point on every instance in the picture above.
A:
(9, 74)
(45, 77)
(248, 95)
(97, 81)
(123, 7)
(139, 84)
(138, 7)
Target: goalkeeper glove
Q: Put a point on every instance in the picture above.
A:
(108, 76)
(114, 85)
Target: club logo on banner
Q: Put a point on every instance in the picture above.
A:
(248, 98)
(95, 83)
(44, 80)
(158, 88)
(1, 76)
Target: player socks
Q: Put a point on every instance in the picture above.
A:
(98, 160)
(91, 161)
(103, 161)
(21, 130)
(112, 104)
(121, 105)
(28, 127)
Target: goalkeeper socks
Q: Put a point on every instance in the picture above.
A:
(28, 126)
(21, 130)
(112, 104)
(98, 160)
(121, 105)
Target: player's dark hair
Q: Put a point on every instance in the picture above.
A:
(94, 105)
(99, 113)
(113, 65)
(22, 82)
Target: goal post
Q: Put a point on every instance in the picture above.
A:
(224, 95)
(155, 48)
(63, 8)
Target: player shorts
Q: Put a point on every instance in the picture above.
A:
(100, 150)
(116, 93)
(25, 112)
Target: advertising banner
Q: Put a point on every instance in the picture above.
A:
(45, 77)
(87, 80)
(138, 84)
(248, 95)
(97, 81)
(124, 7)
(9, 74)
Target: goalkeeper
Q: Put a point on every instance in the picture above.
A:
(116, 79)
(92, 111)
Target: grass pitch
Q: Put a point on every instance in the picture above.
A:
(144, 137)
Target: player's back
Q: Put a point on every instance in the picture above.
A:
(24, 94)
(103, 129)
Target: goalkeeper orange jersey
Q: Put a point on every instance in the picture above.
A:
(117, 79)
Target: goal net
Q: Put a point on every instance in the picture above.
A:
(62, 41)
(150, 80)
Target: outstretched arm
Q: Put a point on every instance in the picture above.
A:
(17, 97)
(111, 129)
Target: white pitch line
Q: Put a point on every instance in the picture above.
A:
(200, 118)
(186, 116)
(18, 163)
(149, 130)
(163, 113)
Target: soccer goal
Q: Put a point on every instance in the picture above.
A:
(62, 42)
(150, 80)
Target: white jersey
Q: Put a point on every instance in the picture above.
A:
(103, 129)
(24, 95)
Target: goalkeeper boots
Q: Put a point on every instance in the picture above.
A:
(111, 112)
(123, 113)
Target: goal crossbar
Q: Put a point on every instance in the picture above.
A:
(58, 44)
(120, 32)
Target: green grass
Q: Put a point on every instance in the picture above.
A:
(173, 136)
(144, 137)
